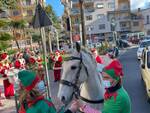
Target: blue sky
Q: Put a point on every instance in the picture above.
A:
(58, 7)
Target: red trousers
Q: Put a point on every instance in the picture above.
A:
(8, 88)
(57, 74)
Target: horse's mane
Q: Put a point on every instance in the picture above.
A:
(84, 51)
(87, 51)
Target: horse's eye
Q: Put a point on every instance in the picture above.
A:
(73, 67)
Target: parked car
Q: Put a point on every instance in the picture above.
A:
(142, 45)
(123, 43)
(145, 70)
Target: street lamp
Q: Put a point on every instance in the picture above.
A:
(90, 28)
(81, 2)
(113, 29)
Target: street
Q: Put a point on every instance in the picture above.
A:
(132, 82)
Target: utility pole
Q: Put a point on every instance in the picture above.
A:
(81, 3)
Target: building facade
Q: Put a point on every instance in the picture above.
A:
(25, 10)
(146, 21)
(99, 16)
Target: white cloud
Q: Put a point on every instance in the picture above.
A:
(138, 3)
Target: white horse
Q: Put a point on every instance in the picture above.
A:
(81, 78)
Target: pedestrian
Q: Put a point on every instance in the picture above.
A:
(31, 97)
(99, 60)
(116, 99)
(8, 87)
(0, 89)
(97, 57)
(57, 66)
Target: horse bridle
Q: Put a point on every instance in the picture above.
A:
(76, 89)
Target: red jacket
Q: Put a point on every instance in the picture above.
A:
(58, 62)
(99, 60)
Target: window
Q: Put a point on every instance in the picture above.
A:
(28, 2)
(148, 59)
(29, 12)
(111, 5)
(89, 17)
(90, 28)
(147, 19)
(135, 23)
(16, 13)
(100, 5)
(123, 24)
(100, 16)
(102, 26)
(148, 32)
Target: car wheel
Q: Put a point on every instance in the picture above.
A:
(148, 100)
(143, 81)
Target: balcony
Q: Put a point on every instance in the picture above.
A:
(125, 29)
(87, 4)
(75, 11)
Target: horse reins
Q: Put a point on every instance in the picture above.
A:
(76, 91)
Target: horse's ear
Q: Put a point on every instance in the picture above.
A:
(78, 47)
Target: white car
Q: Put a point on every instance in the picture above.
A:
(143, 44)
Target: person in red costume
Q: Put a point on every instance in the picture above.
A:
(8, 87)
(0, 89)
(57, 66)
(116, 64)
(99, 60)
(97, 57)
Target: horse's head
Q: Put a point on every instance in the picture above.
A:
(75, 72)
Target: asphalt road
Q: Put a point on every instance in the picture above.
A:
(132, 82)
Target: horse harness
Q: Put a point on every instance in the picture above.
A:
(76, 91)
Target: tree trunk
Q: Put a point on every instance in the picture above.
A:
(14, 34)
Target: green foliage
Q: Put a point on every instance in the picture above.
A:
(3, 23)
(12, 51)
(18, 24)
(50, 12)
(4, 45)
(5, 37)
(8, 4)
(36, 37)
(102, 50)
(4, 41)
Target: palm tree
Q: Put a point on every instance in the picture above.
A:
(56, 24)
(18, 26)
(5, 40)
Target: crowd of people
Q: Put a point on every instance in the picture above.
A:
(25, 60)
(32, 87)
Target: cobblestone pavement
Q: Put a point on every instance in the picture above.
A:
(9, 105)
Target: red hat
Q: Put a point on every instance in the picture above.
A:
(57, 51)
(17, 64)
(39, 59)
(4, 56)
(19, 55)
(93, 50)
(116, 66)
(32, 60)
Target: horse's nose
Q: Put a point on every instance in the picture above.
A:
(63, 98)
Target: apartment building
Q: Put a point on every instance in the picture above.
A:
(25, 10)
(146, 21)
(137, 21)
(99, 15)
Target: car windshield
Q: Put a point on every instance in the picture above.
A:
(148, 59)
(145, 44)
